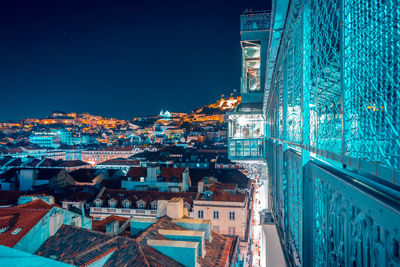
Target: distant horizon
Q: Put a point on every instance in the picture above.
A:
(104, 116)
(118, 59)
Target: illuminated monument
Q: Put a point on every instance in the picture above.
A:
(332, 130)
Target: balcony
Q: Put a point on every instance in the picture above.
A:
(246, 149)
(255, 21)
(106, 211)
(246, 133)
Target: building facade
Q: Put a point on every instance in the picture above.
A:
(96, 156)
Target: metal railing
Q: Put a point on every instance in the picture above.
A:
(327, 216)
(253, 21)
(251, 149)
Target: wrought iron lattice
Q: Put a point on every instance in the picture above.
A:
(347, 60)
(255, 21)
(372, 82)
(324, 61)
(335, 90)
(294, 201)
(347, 231)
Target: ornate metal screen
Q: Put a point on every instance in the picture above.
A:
(335, 86)
(335, 97)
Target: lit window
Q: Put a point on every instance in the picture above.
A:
(231, 215)
(200, 214)
(112, 204)
(216, 214)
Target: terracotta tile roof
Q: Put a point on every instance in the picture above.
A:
(217, 251)
(222, 195)
(82, 247)
(69, 242)
(151, 232)
(169, 172)
(37, 204)
(137, 172)
(148, 196)
(100, 225)
(22, 221)
(166, 172)
(7, 221)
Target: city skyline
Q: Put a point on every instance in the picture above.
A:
(79, 57)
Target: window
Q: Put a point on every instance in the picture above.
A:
(216, 214)
(112, 204)
(154, 206)
(98, 203)
(231, 215)
(126, 204)
(200, 214)
(16, 231)
(141, 205)
(231, 230)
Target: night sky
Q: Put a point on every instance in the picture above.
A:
(117, 58)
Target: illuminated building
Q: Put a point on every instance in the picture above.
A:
(96, 156)
(45, 139)
(72, 138)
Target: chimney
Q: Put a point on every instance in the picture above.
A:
(55, 222)
(112, 228)
(200, 187)
(175, 208)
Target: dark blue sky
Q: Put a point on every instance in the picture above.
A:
(117, 58)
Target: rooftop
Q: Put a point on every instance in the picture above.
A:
(84, 175)
(16, 222)
(100, 225)
(81, 247)
(120, 195)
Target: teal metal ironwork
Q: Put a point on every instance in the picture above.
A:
(246, 149)
(332, 109)
(336, 77)
(332, 123)
(255, 20)
(246, 121)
